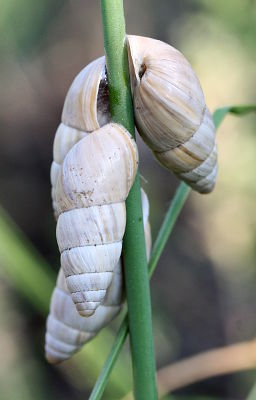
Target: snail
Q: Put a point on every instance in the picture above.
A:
(67, 331)
(170, 112)
(93, 184)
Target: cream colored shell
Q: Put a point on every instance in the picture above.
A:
(170, 112)
(93, 184)
(67, 331)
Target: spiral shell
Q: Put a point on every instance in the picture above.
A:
(93, 184)
(66, 330)
(170, 112)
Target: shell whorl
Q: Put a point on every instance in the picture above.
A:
(170, 112)
(195, 161)
(93, 184)
(66, 330)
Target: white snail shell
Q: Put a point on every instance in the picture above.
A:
(67, 331)
(93, 184)
(170, 112)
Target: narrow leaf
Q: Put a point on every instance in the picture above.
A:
(220, 113)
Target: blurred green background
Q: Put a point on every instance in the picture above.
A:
(203, 292)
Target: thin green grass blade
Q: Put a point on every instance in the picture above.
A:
(220, 113)
(167, 226)
(103, 378)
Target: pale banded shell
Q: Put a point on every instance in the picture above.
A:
(67, 331)
(170, 112)
(94, 182)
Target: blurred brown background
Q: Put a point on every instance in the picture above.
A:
(203, 291)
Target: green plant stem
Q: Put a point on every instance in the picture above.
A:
(166, 229)
(134, 252)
